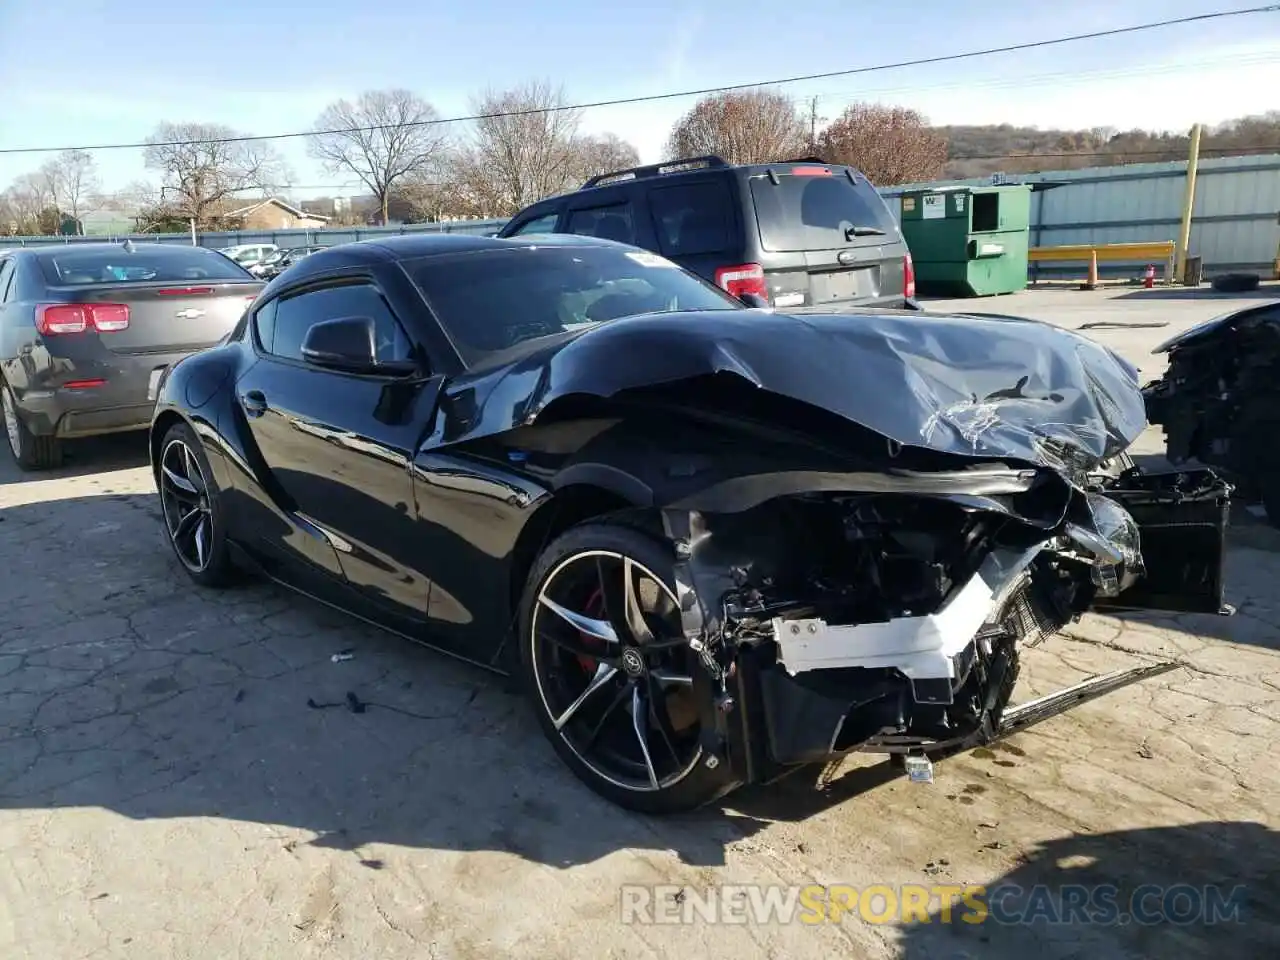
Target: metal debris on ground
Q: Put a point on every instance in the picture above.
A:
(342, 655)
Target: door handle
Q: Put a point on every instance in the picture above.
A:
(254, 403)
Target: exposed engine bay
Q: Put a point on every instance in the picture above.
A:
(893, 623)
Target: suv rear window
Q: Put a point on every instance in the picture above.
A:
(816, 212)
(70, 267)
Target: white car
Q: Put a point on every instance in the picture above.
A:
(247, 254)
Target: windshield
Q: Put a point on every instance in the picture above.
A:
(161, 264)
(809, 212)
(491, 300)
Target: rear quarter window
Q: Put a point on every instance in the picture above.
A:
(612, 222)
(72, 267)
(693, 218)
(816, 212)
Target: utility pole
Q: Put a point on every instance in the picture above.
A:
(813, 124)
(1188, 203)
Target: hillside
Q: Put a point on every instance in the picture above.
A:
(975, 151)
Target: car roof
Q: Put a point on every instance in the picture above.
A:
(104, 247)
(668, 171)
(413, 246)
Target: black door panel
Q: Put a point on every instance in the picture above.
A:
(334, 448)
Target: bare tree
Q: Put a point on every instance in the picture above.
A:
(29, 205)
(385, 136)
(524, 147)
(421, 198)
(751, 126)
(204, 169)
(72, 181)
(891, 145)
(603, 154)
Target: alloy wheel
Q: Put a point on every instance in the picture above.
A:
(614, 671)
(184, 498)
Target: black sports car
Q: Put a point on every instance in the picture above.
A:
(715, 542)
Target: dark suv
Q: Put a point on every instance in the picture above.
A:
(796, 232)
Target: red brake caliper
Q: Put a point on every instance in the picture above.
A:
(595, 608)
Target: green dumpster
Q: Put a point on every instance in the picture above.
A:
(968, 241)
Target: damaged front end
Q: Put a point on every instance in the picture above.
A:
(861, 559)
(828, 623)
(870, 517)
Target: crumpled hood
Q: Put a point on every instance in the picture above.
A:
(979, 387)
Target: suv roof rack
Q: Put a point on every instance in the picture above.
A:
(656, 169)
(825, 163)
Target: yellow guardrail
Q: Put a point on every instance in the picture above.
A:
(1156, 251)
(1153, 252)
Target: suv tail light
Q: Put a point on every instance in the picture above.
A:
(908, 277)
(57, 319)
(743, 278)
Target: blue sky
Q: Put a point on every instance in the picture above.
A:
(79, 72)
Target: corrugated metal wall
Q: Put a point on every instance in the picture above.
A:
(1236, 218)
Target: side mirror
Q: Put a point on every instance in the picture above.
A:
(350, 344)
(755, 301)
(347, 343)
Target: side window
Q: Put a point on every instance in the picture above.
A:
(614, 222)
(692, 218)
(6, 278)
(543, 224)
(293, 317)
(264, 323)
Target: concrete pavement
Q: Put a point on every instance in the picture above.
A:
(173, 783)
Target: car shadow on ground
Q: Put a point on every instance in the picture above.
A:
(91, 455)
(131, 690)
(125, 688)
(1200, 890)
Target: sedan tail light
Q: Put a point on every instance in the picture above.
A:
(743, 278)
(58, 319)
(908, 277)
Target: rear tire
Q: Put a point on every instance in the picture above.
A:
(191, 503)
(30, 452)
(616, 705)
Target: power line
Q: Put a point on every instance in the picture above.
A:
(650, 98)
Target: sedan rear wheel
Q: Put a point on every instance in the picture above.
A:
(192, 508)
(610, 671)
(31, 452)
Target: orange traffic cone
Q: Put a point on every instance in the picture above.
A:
(1092, 282)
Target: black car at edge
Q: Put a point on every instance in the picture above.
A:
(797, 233)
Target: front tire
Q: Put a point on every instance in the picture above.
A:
(30, 452)
(191, 502)
(608, 670)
